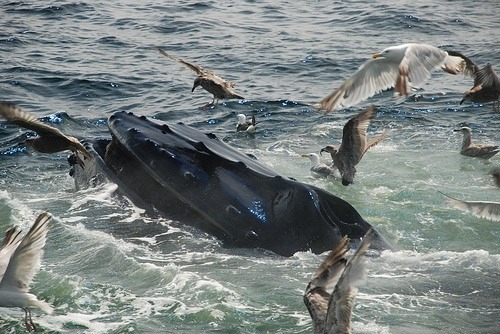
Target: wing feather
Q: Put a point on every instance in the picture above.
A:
(25, 260)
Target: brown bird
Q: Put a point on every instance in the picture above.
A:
(475, 150)
(402, 67)
(49, 140)
(331, 311)
(220, 88)
(486, 88)
(486, 83)
(354, 145)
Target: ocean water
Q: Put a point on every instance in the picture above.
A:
(109, 268)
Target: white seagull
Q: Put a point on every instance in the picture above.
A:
(403, 67)
(319, 168)
(331, 310)
(19, 261)
(245, 125)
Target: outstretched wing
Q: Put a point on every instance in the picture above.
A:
(26, 258)
(488, 210)
(317, 294)
(15, 115)
(374, 76)
(10, 242)
(196, 68)
(354, 136)
(338, 318)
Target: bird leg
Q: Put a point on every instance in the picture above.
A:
(402, 86)
(211, 104)
(28, 322)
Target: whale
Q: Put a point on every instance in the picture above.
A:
(196, 179)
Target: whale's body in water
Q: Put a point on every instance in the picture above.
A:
(197, 179)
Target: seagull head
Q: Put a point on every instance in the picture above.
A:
(241, 118)
(330, 149)
(312, 156)
(394, 52)
(463, 129)
(197, 82)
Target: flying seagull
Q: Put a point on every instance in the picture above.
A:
(19, 260)
(319, 168)
(475, 150)
(400, 67)
(486, 88)
(49, 140)
(331, 310)
(354, 144)
(245, 125)
(487, 209)
(220, 88)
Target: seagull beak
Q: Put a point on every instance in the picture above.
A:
(194, 86)
(456, 130)
(463, 100)
(322, 150)
(304, 155)
(376, 55)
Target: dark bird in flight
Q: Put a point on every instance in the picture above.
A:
(49, 140)
(354, 145)
(220, 88)
(331, 310)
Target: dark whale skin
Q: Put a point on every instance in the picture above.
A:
(199, 180)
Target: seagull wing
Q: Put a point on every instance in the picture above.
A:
(354, 136)
(470, 68)
(338, 317)
(488, 210)
(10, 242)
(420, 61)
(317, 294)
(374, 76)
(15, 115)
(193, 67)
(26, 258)
(487, 77)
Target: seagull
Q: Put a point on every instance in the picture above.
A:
(244, 125)
(220, 88)
(49, 140)
(488, 210)
(475, 150)
(486, 87)
(354, 144)
(402, 67)
(319, 168)
(19, 260)
(331, 311)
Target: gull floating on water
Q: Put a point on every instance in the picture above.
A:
(49, 140)
(331, 311)
(19, 261)
(475, 150)
(354, 144)
(403, 67)
(488, 210)
(319, 168)
(220, 88)
(245, 125)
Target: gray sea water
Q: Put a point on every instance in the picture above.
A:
(109, 268)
